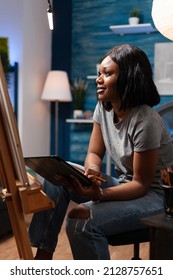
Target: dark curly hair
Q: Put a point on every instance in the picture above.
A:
(134, 85)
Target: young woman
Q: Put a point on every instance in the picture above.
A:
(134, 135)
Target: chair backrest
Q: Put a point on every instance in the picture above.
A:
(166, 112)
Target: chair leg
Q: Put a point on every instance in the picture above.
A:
(136, 252)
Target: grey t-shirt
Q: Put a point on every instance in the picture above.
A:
(143, 129)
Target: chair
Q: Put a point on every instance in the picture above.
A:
(131, 237)
(166, 111)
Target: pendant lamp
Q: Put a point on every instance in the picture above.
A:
(50, 15)
(162, 14)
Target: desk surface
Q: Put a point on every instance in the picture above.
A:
(160, 221)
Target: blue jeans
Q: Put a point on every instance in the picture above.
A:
(88, 238)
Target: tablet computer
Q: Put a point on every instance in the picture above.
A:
(49, 167)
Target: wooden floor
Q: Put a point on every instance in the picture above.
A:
(8, 249)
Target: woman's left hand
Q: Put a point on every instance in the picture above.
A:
(72, 183)
(93, 191)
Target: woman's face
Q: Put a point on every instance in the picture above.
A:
(106, 80)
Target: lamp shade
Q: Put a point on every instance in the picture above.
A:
(57, 87)
(162, 14)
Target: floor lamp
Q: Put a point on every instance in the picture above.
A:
(57, 89)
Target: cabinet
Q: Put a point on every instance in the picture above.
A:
(161, 236)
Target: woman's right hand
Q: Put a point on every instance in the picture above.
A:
(92, 170)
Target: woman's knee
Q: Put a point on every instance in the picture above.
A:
(79, 212)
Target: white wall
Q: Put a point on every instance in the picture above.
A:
(24, 22)
(163, 68)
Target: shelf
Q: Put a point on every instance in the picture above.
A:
(79, 120)
(92, 77)
(132, 29)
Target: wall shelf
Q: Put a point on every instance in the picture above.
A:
(79, 120)
(92, 77)
(132, 29)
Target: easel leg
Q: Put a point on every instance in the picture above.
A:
(20, 231)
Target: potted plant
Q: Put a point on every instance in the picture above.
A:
(78, 88)
(134, 16)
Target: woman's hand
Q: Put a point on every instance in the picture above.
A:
(93, 170)
(73, 184)
(93, 192)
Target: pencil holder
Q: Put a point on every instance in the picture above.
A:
(168, 200)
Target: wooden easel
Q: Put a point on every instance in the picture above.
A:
(22, 193)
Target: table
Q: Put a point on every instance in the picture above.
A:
(161, 236)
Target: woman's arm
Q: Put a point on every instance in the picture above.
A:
(144, 165)
(96, 150)
(144, 168)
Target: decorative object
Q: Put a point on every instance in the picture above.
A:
(77, 114)
(4, 54)
(79, 88)
(57, 89)
(50, 15)
(162, 14)
(134, 17)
